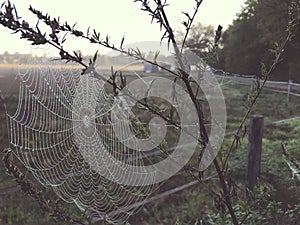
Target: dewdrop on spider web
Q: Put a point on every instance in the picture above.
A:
(62, 131)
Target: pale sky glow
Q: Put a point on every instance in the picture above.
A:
(117, 18)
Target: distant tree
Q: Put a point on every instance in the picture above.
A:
(8, 58)
(248, 40)
(200, 39)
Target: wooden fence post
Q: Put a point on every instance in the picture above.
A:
(289, 90)
(254, 152)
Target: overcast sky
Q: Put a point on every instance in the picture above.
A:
(117, 18)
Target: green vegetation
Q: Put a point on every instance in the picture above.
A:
(245, 50)
(259, 28)
(278, 194)
(277, 197)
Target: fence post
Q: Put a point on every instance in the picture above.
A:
(254, 152)
(289, 90)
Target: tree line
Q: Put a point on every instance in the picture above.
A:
(252, 39)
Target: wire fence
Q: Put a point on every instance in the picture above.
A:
(290, 88)
(15, 188)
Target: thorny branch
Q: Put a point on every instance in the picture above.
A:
(188, 24)
(163, 20)
(93, 37)
(9, 19)
(35, 36)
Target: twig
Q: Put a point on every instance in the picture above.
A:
(190, 22)
(202, 128)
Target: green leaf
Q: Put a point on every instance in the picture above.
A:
(243, 205)
(178, 222)
(264, 70)
(164, 144)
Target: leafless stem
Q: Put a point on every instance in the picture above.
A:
(190, 22)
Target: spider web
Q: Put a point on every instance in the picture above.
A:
(62, 123)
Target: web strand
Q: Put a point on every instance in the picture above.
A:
(62, 122)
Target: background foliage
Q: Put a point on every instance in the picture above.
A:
(247, 42)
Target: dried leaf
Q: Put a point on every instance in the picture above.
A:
(95, 57)
(122, 41)
(187, 15)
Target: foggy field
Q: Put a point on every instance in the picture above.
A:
(188, 203)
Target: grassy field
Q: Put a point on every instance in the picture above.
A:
(191, 205)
